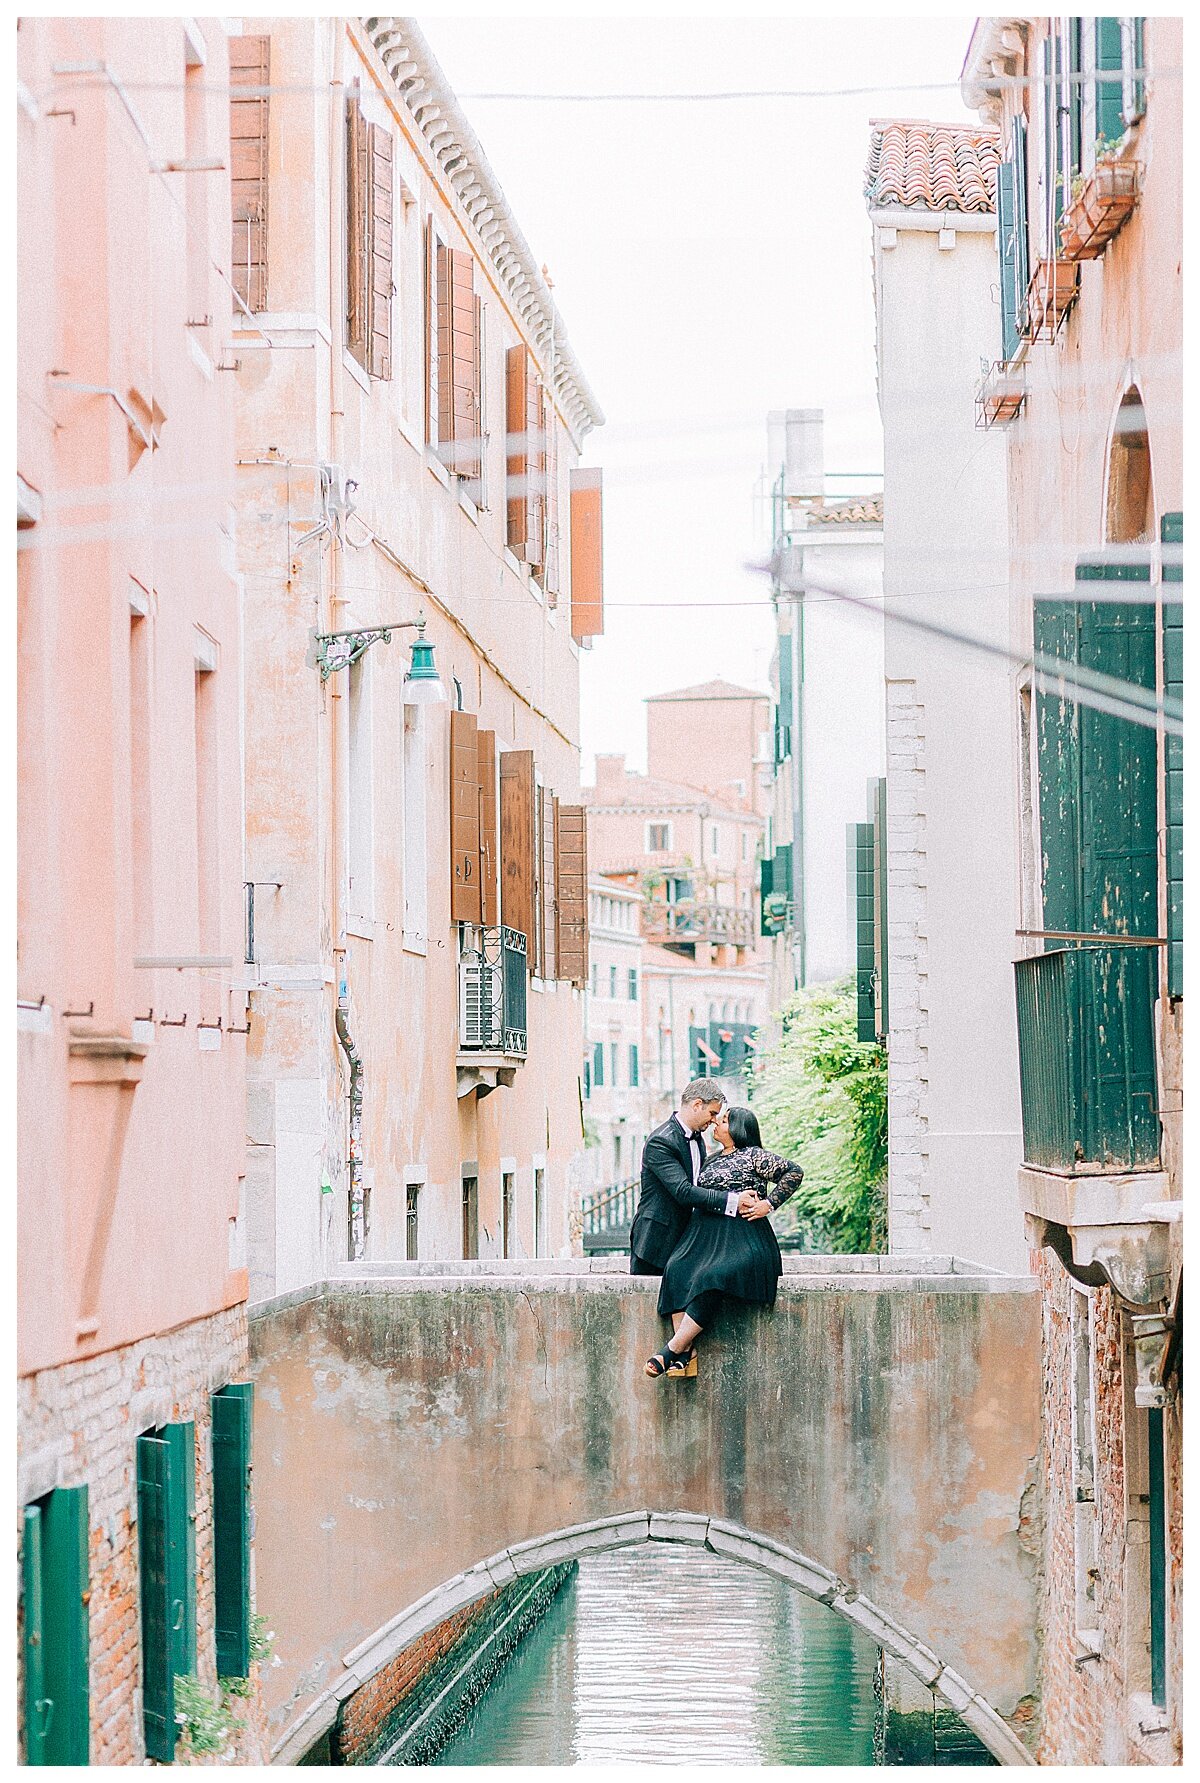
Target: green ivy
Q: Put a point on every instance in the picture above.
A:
(822, 1100)
(206, 1724)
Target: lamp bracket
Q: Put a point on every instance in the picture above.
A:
(334, 650)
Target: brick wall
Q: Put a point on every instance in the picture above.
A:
(78, 1425)
(409, 1709)
(908, 973)
(1095, 1709)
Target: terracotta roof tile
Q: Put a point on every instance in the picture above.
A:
(709, 690)
(861, 510)
(923, 166)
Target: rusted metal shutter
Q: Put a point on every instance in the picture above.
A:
(249, 118)
(379, 316)
(517, 837)
(489, 841)
(572, 893)
(465, 901)
(548, 950)
(357, 228)
(514, 427)
(587, 554)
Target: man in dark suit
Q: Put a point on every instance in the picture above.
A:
(671, 1161)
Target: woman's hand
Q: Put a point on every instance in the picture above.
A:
(760, 1209)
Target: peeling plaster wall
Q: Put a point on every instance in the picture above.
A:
(887, 1429)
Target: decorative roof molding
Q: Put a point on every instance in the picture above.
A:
(995, 54)
(434, 108)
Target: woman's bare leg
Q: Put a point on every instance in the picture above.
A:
(686, 1332)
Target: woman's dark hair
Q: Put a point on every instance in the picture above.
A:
(743, 1128)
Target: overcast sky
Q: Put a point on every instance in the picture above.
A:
(711, 261)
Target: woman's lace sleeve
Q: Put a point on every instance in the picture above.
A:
(784, 1176)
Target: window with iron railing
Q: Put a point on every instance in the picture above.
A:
(492, 991)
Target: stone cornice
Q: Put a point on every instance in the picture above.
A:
(996, 49)
(437, 114)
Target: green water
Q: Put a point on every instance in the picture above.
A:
(664, 1655)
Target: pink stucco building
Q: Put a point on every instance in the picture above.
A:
(131, 1041)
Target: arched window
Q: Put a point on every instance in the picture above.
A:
(1129, 505)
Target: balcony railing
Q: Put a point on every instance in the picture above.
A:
(608, 1215)
(1085, 1035)
(693, 921)
(492, 989)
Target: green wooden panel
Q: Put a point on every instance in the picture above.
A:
(781, 878)
(1172, 574)
(699, 1066)
(1158, 1561)
(158, 1674)
(881, 910)
(65, 1594)
(1021, 222)
(1110, 123)
(785, 711)
(181, 1545)
(232, 1420)
(38, 1706)
(1009, 333)
(634, 1073)
(1137, 108)
(861, 837)
(1075, 96)
(1051, 131)
(598, 1064)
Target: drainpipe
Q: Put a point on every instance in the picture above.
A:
(357, 1228)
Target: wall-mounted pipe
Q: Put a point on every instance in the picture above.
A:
(357, 1228)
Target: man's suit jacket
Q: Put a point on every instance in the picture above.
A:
(668, 1195)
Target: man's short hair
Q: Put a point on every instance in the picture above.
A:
(702, 1089)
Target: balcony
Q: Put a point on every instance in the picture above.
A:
(1106, 197)
(492, 1019)
(608, 1215)
(1000, 395)
(1052, 290)
(691, 921)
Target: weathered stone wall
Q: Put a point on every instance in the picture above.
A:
(1096, 1709)
(79, 1425)
(884, 1426)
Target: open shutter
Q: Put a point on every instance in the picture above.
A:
(880, 910)
(158, 1676)
(1073, 110)
(1052, 164)
(572, 893)
(781, 878)
(1133, 87)
(249, 115)
(379, 269)
(431, 333)
(516, 508)
(232, 1414)
(587, 554)
(465, 900)
(62, 1725)
(1021, 222)
(539, 935)
(462, 314)
(535, 467)
(1172, 575)
(1006, 229)
(552, 578)
(784, 710)
(357, 229)
(548, 882)
(861, 844)
(489, 840)
(181, 1546)
(1110, 124)
(39, 1707)
(517, 843)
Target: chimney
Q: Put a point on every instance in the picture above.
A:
(804, 454)
(610, 772)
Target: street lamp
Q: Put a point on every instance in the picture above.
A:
(333, 650)
(422, 686)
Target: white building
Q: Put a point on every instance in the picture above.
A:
(952, 889)
(616, 1097)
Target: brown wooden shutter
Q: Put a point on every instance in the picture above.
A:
(549, 887)
(489, 841)
(552, 579)
(443, 427)
(535, 467)
(572, 893)
(458, 361)
(249, 143)
(379, 317)
(517, 833)
(357, 229)
(514, 428)
(587, 554)
(465, 901)
(431, 333)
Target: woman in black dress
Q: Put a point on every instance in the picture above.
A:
(717, 1255)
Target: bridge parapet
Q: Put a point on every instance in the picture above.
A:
(420, 1425)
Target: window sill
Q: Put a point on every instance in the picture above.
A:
(281, 322)
(413, 941)
(350, 364)
(436, 468)
(363, 928)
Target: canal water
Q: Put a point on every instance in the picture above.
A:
(664, 1655)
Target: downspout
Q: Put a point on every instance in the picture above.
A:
(357, 1227)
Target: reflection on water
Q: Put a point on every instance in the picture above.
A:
(672, 1656)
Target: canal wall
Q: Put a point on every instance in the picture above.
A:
(423, 1435)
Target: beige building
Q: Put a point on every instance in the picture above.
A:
(1085, 386)
(409, 420)
(616, 1089)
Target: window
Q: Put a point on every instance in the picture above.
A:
(612, 1059)
(539, 1213)
(412, 1222)
(634, 1077)
(416, 873)
(470, 1216)
(612, 981)
(616, 1157)
(633, 984)
(587, 1079)
(166, 1485)
(598, 1065)
(745, 845)
(232, 1409)
(658, 838)
(360, 863)
(208, 891)
(249, 119)
(595, 979)
(525, 506)
(1013, 228)
(507, 1234)
(55, 1590)
(369, 210)
(715, 838)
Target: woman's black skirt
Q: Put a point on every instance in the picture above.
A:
(722, 1254)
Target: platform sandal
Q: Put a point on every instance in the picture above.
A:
(684, 1365)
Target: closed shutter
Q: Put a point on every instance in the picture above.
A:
(634, 1069)
(466, 904)
(357, 228)
(538, 957)
(1021, 222)
(516, 507)
(489, 840)
(552, 578)
(861, 846)
(1051, 136)
(781, 880)
(181, 1546)
(1172, 575)
(379, 282)
(535, 467)
(549, 881)
(1110, 124)
(158, 1675)
(766, 885)
(517, 842)
(587, 554)
(55, 1609)
(458, 361)
(249, 141)
(572, 893)
(1073, 120)
(786, 706)
(879, 869)
(232, 1415)
(1006, 228)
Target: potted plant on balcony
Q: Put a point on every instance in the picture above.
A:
(1100, 202)
(1052, 290)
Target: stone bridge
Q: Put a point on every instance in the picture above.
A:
(425, 1432)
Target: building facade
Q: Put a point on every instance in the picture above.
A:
(133, 1404)
(1085, 386)
(616, 1088)
(420, 558)
(943, 842)
(828, 679)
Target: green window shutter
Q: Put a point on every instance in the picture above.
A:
(598, 1064)
(1158, 1560)
(781, 878)
(1075, 97)
(784, 712)
(1133, 96)
(1051, 133)
(881, 911)
(1009, 334)
(38, 1706)
(158, 1675)
(181, 1548)
(232, 1423)
(634, 1079)
(56, 1584)
(1172, 534)
(861, 845)
(1109, 102)
(1021, 222)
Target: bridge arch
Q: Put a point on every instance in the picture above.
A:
(630, 1530)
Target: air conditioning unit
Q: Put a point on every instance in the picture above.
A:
(479, 1005)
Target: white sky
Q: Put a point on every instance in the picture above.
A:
(711, 261)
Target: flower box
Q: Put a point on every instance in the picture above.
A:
(1000, 396)
(1105, 199)
(1052, 290)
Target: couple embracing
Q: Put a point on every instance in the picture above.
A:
(703, 1219)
